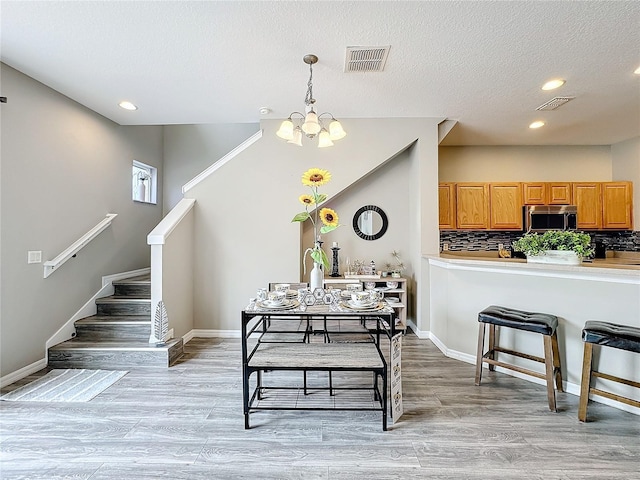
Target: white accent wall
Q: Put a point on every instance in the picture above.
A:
(243, 233)
(64, 167)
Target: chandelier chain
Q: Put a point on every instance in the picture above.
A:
(308, 99)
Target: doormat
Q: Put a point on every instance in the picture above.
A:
(70, 385)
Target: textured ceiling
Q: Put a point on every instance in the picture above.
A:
(481, 63)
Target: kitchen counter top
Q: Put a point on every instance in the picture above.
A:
(619, 260)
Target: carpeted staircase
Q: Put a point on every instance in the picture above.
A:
(118, 335)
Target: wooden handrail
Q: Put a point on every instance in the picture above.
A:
(50, 266)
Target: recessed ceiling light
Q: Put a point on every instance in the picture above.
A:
(537, 124)
(127, 105)
(265, 111)
(553, 84)
(637, 71)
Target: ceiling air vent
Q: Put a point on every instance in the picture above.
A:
(366, 59)
(554, 103)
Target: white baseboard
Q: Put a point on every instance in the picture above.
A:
(421, 334)
(570, 388)
(23, 372)
(206, 333)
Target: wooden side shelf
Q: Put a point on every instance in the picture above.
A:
(400, 307)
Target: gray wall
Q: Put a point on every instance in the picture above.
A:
(190, 149)
(63, 169)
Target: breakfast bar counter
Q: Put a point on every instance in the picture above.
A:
(460, 286)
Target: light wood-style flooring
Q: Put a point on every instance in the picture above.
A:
(186, 422)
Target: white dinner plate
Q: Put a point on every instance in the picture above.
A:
(287, 304)
(373, 307)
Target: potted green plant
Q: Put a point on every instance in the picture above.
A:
(555, 246)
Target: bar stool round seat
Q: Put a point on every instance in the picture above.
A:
(605, 334)
(542, 323)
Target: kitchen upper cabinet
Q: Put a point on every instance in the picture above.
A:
(617, 211)
(447, 206)
(546, 193)
(559, 193)
(472, 206)
(505, 206)
(534, 193)
(588, 198)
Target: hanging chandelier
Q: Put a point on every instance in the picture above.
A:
(310, 123)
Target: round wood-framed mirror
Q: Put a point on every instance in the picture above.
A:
(370, 222)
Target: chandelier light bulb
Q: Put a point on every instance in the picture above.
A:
(311, 127)
(297, 137)
(324, 140)
(286, 129)
(336, 132)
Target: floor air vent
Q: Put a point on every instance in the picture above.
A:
(554, 103)
(366, 59)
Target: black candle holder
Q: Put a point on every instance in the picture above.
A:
(334, 267)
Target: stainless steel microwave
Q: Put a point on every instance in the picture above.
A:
(540, 218)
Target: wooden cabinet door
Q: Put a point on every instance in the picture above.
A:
(616, 205)
(559, 193)
(447, 206)
(505, 206)
(472, 206)
(587, 197)
(534, 193)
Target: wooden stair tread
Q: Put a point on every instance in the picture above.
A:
(122, 299)
(142, 279)
(75, 344)
(115, 319)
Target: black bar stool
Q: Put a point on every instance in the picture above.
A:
(542, 323)
(623, 337)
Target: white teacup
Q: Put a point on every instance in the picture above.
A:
(375, 295)
(282, 287)
(360, 298)
(276, 298)
(354, 287)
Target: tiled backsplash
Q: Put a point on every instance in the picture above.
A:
(479, 240)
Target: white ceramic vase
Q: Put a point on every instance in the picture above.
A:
(316, 277)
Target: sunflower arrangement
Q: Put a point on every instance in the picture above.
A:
(326, 218)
